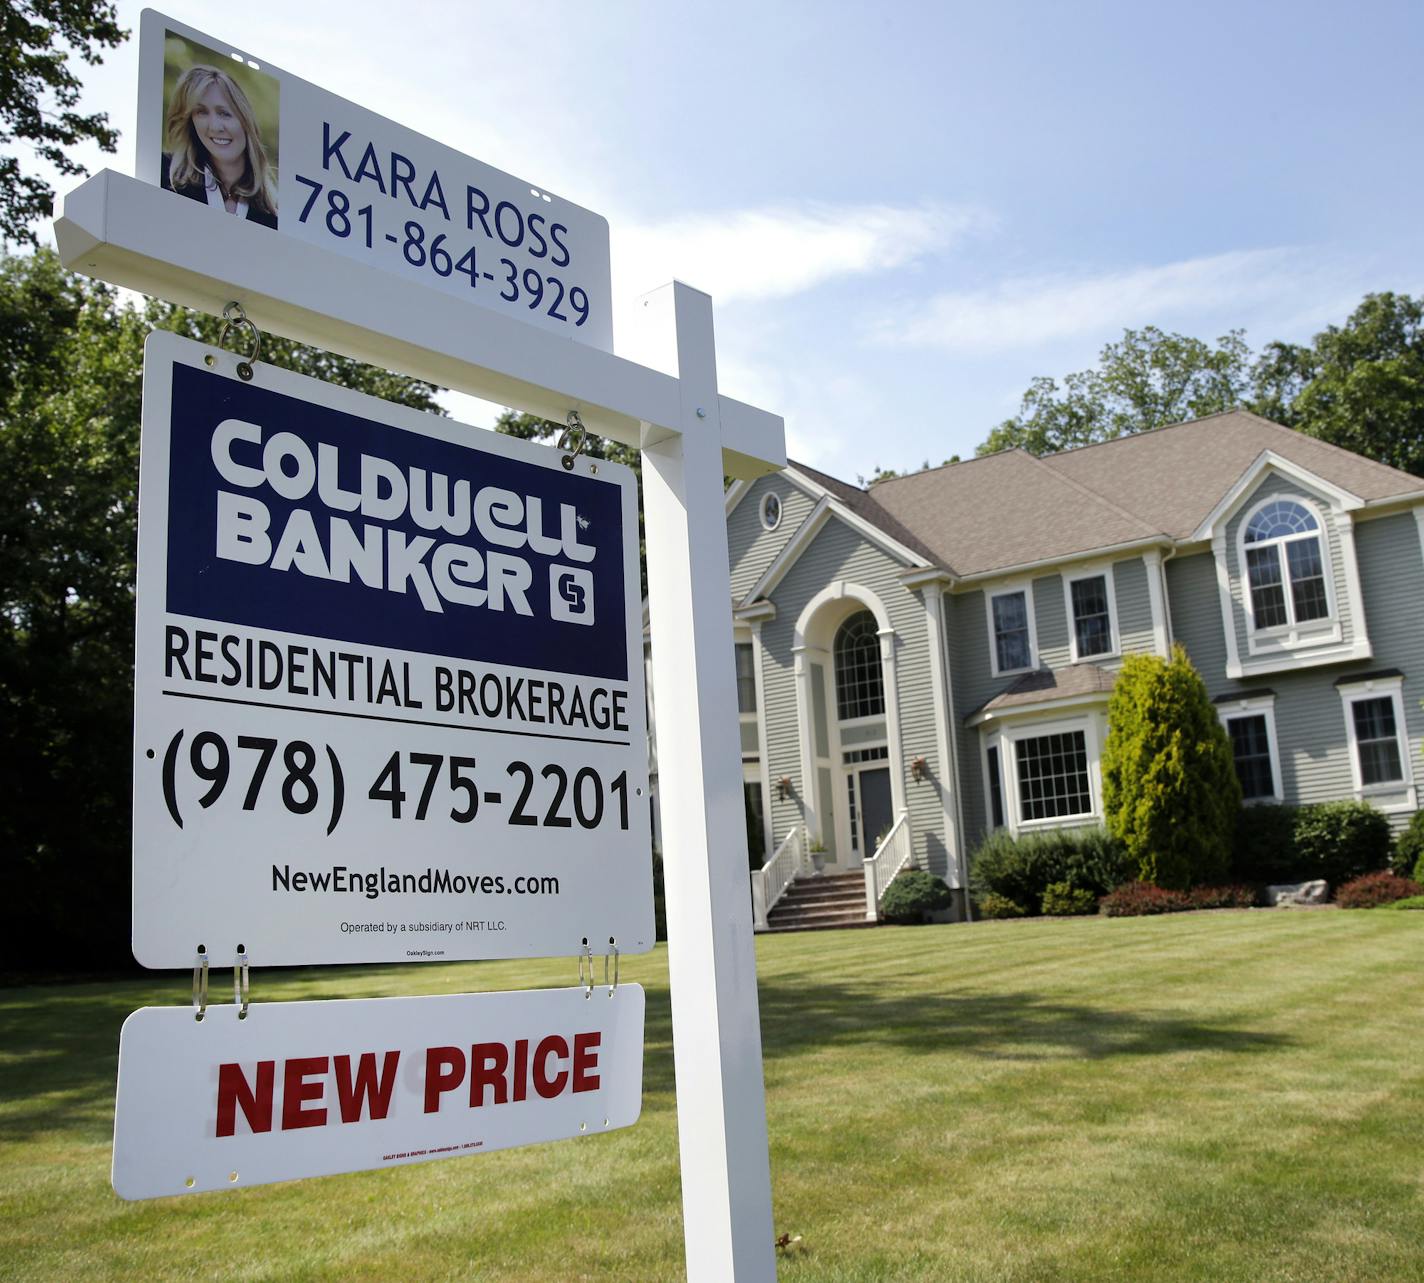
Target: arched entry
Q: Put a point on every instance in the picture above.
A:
(851, 764)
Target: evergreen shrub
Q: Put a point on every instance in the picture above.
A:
(1063, 899)
(1409, 848)
(1409, 902)
(1375, 889)
(1170, 791)
(1022, 869)
(1338, 841)
(991, 904)
(913, 895)
(1264, 850)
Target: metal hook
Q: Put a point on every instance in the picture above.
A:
(575, 424)
(586, 978)
(234, 318)
(612, 988)
(200, 982)
(240, 979)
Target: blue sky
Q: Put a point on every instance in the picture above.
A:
(905, 212)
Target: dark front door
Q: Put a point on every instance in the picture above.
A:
(876, 812)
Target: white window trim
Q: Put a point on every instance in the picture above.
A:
(1397, 795)
(780, 510)
(1290, 636)
(1104, 572)
(993, 742)
(1259, 706)
(1008, 590)
(1007, 738)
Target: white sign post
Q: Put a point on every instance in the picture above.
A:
(134, 234)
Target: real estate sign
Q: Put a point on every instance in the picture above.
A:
(250, 141)
(389, 699)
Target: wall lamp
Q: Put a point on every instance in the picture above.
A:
(783, 788)
(919, 769)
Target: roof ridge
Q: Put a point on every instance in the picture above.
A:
(1161, 427)
(1330, 445)
(940, 467)
(1101, 498)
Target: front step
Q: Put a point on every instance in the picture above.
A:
(821, 902)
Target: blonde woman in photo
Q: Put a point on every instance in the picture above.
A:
(213, 151)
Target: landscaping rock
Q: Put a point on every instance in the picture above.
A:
(1316, 892)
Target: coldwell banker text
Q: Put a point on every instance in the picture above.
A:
(439, 571)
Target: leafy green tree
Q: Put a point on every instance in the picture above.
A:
(1170, 791)
(70, 394)
(530, 427)
(1148, 379)
(1361, 384)
(38, 94)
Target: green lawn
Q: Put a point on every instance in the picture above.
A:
(1227, 1096)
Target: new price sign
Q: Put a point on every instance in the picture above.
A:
(315, 1088)
(231, 132)
(389, 694)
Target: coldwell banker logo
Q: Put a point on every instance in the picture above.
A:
(438, 571)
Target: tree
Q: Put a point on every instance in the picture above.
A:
(530, 427)
(1170, 791)
(70, 394)
(1361, 384)
(1148, 379)
(38, 94)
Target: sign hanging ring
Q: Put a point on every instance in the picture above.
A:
(234, 318)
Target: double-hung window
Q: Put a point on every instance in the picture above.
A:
(1285, 566)
(1093, 615)
(746, 677)
(1011, 631)
(1379, 740)
(1251, 726)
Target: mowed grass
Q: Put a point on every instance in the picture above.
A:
(1225, 1096)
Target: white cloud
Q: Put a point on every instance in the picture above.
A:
(779, 251)
(1027, 311)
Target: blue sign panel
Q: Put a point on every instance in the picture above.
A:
(303, 518)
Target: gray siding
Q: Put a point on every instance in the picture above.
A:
(1310, 718)
(967, 631)
(1050, 614)
(751, 548)
(840, 553)
(1134, 606)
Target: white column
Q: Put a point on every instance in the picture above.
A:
(726, 1176)
(892, 725)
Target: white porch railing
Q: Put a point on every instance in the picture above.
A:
(890, 857)
(769, 882)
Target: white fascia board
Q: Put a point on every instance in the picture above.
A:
(1269, 460)
(756, 610)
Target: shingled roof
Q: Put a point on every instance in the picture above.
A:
(1011, 509)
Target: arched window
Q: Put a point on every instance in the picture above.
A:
(860, 688)
(1285, 566)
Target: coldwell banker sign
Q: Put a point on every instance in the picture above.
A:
(389, 686)
(229, 131)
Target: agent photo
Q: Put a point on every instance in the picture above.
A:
(213, 145)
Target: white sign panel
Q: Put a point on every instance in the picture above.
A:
(389, 698)
(314, 1088)
(223, 127)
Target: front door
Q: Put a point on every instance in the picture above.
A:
(876, 811)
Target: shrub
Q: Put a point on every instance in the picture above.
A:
(1264, 849)
(1409, 848)
(1409, 902)
(993, 905)
(1340, 840)
(1170, 790)
(912, 895)
(1233, 896)
(1137, 899)
(1022, 869)
(1375, 889)
(1063, 899)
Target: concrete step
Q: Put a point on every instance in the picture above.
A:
(834, 914)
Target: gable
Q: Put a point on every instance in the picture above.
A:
(751, 547)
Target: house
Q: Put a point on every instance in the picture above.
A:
(930, 659)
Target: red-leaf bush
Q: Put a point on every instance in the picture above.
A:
(1233, 896)
(1137, 899)
(1375, 889)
